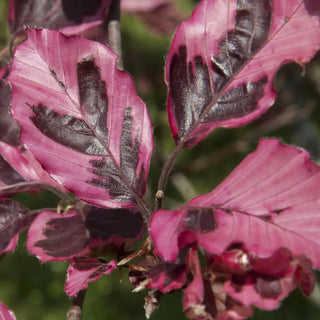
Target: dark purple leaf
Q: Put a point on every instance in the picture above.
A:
(114, 226)
(167, 276)
(222, 61)
(14, 218)
(7, 174)
(9, 129)
(155, 273)
(9, 134)
(85, 124)
(313, 7)
(81, 10)
(55, 236)
(56, 14)
(84, 270)
(5, 313)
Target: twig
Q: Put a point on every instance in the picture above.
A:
(114, 33)
(114, 42)
(34, 185)
(290, 116)
(167, 168)
(286, 118)
(75, 311)
(6, 53)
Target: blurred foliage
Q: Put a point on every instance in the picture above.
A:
(3, 23)
(34, 290)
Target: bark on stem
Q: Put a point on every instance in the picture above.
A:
(114, 43)
(75, 311)
(29, 185)
(114, 33)
(166, 170)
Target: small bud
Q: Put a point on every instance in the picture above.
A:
(159, 194)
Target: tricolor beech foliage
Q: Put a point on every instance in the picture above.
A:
(71, 122)
(5, 313)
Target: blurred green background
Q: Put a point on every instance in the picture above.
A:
(35, 291)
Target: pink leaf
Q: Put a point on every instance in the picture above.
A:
(265, 293)
(16, 163)
(81, 118)
(5, 313)
(216, 304)
(305, 276)
(7, 174)
(227, 289)
(84, 270)
(54, 236)
(21, 165)
(222, 61)
(9, 136)
(56, 14)
(168, 276)
(9, 129)
(270, 201)
(14, 218)
(266, 281)
(194, 293)
(155, 273)
(3, 72)
(204, 297)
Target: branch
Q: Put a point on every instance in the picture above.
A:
(75, 311)
(114, 33)
(166, 170)
(288, 117)
(35, 185)
(6, 53)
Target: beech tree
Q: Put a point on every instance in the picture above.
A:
(72, 123)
